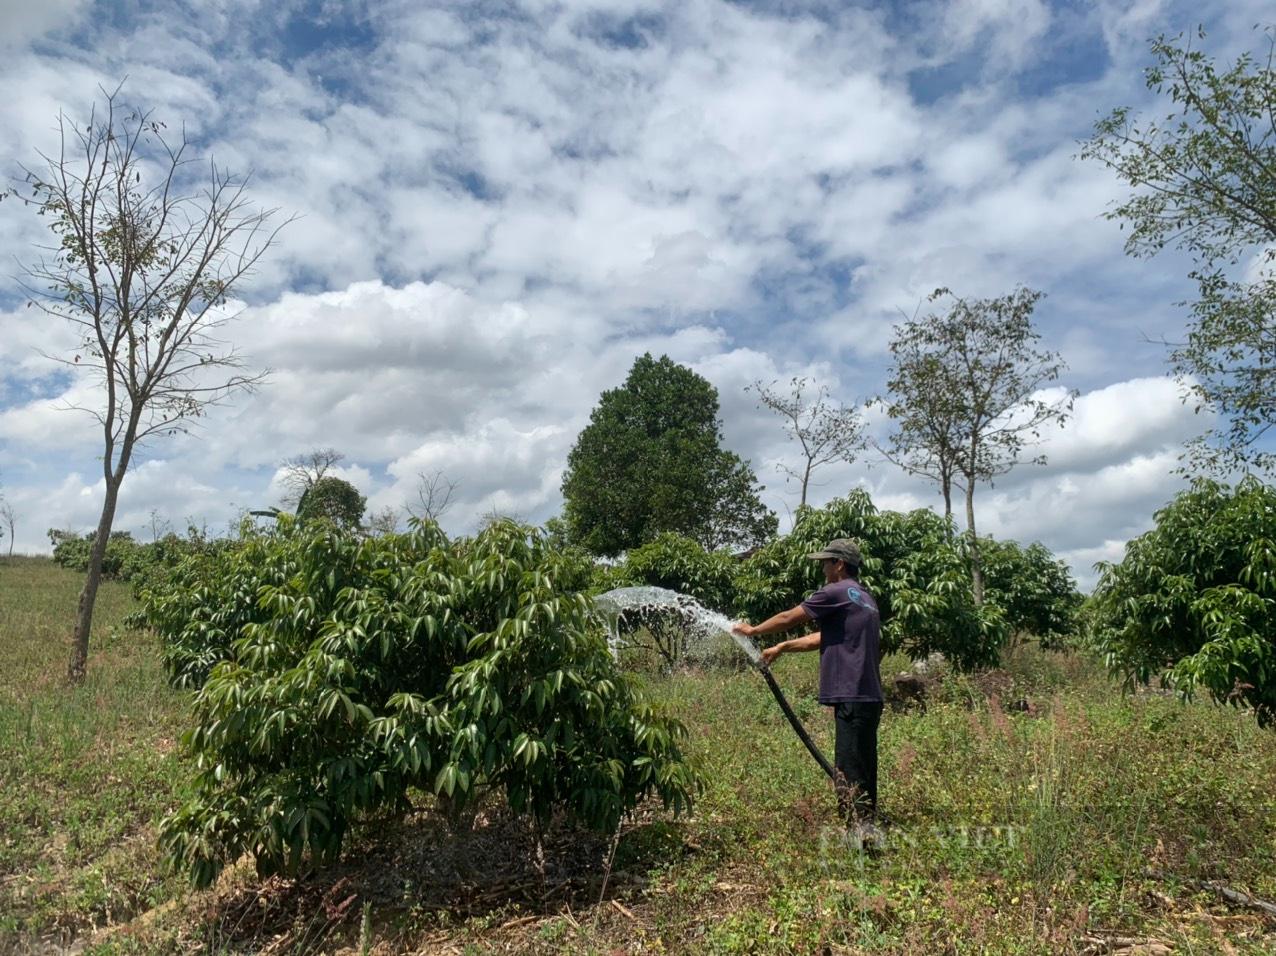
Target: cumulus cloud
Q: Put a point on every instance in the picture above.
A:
(1138, 416)
(500, 208)
(426, 378)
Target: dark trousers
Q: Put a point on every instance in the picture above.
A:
(855, 758)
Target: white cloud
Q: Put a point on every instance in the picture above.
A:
(55, 422)
(1083, 560)
(25, 21)
(502, 222)
(1015, 27)
(1138, 416)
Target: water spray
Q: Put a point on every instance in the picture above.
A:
(703, 624)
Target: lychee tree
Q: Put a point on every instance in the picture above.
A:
(361, 670)
(1194, 599)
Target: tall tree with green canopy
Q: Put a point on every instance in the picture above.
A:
(1204, 181)
(651, 460)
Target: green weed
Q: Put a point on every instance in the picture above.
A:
(1091, 813)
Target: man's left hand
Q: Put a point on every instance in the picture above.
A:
(743, 627)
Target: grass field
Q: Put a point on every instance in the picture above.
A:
(1094, 822)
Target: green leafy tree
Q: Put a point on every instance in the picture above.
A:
(346, 674)
(557, 533)
(1195, 598)
(964, 394)
(141, 268)
(1204, 180)
(825, 431)
(75, 551)
(651, 460)
(1035, 590)
(334, 499)
(927, 438)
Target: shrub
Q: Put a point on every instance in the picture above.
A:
(1034, 588)
(71, 550)
(357, 669)
(142, 565)
(199, 605)
(1195, 597)
(928, 604)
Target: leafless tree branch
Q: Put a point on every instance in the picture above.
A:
(142, 267)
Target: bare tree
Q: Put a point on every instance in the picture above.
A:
(302, 472)
(143, 263)
(160, 526)
(964, 394)
(434, 494)
(495, 515)
(385, 521)
(9, 519)
(826, 431)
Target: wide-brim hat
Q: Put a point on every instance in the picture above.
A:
(840, 549)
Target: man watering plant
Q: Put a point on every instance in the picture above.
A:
(849, 642)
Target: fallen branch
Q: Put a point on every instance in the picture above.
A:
(521, 921)
(1239, 897)
(1228, 893)
(1145, 946)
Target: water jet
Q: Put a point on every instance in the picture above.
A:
(638, 605)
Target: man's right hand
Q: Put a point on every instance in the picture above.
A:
(769, 654)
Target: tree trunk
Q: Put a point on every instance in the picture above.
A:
(88, 597)
(538, 852)
(806, 480)
(947, 484)
(78, 665)
(976, 565)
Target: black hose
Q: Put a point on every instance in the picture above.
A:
(797, 724)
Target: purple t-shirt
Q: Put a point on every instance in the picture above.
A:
(850, 642)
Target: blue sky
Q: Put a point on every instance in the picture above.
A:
(502, 204)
